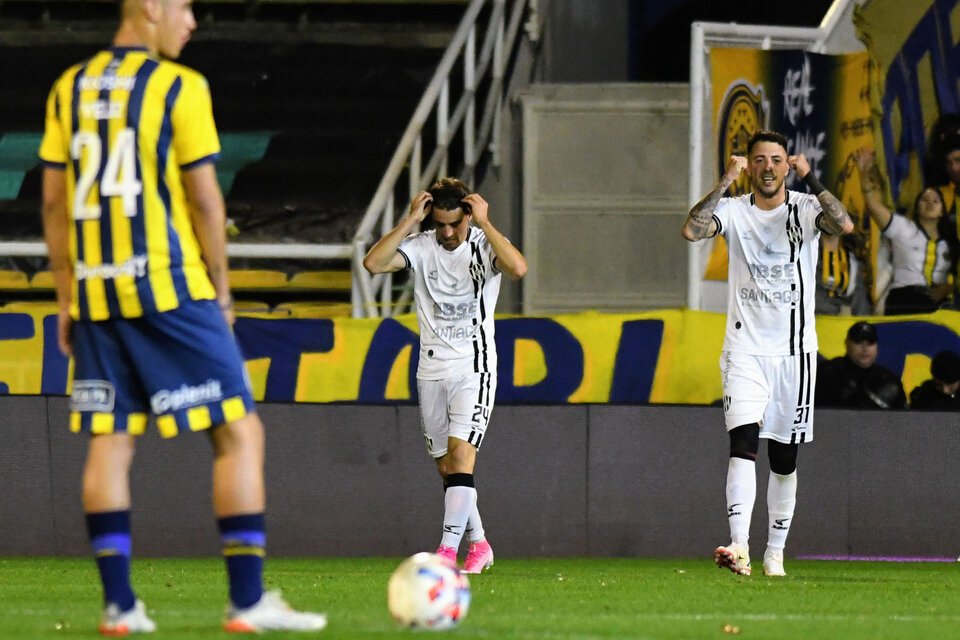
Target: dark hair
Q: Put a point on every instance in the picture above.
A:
(945, 367)
(764, 135)
(448, 194)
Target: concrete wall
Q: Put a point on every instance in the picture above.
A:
(560, 480)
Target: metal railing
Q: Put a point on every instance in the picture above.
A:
(375, 296)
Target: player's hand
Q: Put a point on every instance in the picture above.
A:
(799, 164)
(735, 166)
(479, 208)
(226, 308)
(865, 159)
(65, 332)
(420, 205)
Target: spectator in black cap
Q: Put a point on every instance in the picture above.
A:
(855, 380)
(940, 392)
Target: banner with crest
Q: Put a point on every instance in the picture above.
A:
(821, 103)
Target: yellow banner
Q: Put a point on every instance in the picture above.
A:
(656, 357)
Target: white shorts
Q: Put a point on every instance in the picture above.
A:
(457, 407)
(774, 391)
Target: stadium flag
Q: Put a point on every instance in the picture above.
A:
(915, 61)
(821, 103)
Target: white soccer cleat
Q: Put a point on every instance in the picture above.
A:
(118, 623)
(735, 557)
(271, 613)
(773, 563)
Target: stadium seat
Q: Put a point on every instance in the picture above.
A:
(28, 306)
(315, 309)
(325, 280)
(250, 306)
(257, 279)
(12, 279)
(42, 280)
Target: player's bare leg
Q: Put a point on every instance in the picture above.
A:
(106, 501)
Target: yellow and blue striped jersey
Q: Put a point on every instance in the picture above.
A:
(123, 125)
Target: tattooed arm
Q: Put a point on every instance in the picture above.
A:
(836, 220)
(700, 223)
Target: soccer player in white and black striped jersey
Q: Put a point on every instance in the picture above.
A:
(768, 363)
(456, 269)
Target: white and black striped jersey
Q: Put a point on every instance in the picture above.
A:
(456, 294)
(771, 274)
(917, 259)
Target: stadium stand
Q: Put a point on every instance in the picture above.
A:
(310, 100)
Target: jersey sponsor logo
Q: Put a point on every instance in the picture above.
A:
(457, 333)
(93, 395)
(167, 401)
(785, 273)
(452, 312)
(135, 266)
(762, 296)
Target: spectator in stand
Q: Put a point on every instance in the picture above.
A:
(840, 286)
(940, 392)
(921, 243)
(855, 380)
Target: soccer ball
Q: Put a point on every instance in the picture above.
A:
(426, 592)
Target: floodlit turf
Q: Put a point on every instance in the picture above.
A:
(552, 599)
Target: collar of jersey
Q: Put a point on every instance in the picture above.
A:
(129, 49)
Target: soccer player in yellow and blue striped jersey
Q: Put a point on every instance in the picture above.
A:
(135, 227)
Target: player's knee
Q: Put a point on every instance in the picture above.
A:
(240, 437)
(460, 457)
(783, 457)
(745, 441)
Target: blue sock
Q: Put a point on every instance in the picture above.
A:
(244, 547)
(109, 533)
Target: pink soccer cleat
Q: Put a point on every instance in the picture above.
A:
(448, 553)
(479, 558)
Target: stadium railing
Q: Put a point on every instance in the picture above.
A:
(376, 296)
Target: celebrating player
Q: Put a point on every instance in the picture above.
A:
(134, 224)
(457, 271)
(769, 357)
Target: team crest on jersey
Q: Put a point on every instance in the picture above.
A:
(795, 234)
(476, 271)
(742, 112)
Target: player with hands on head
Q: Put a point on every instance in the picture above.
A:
(768, 362)
(922, 243)
(456, 270)
(134, 222)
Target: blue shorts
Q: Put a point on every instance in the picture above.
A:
(183, 365)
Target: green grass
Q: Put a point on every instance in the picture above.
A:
(551, 599)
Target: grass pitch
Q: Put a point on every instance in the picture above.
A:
(551, 599)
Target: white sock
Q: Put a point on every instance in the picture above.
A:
(474, 531)
(458, 502)
(781, 500)
(741, 494)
